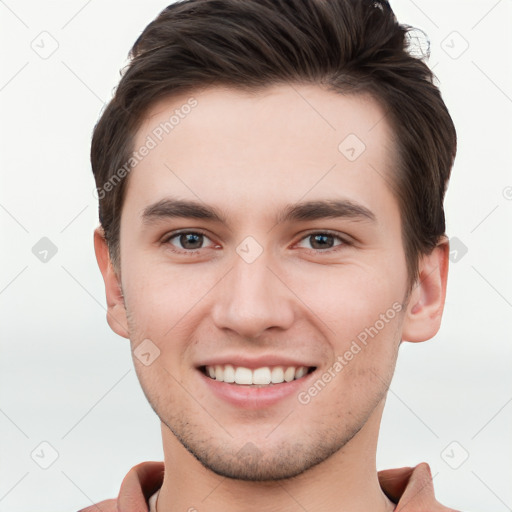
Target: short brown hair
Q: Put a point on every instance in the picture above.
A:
(347, 46)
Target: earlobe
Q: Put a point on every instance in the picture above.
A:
(425, 308)
(116, 312)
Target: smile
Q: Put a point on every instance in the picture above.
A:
(257, 377)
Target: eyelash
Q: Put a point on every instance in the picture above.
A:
(174, 234)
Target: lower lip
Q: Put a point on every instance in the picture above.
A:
(250, 397)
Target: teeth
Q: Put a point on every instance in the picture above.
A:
(260, 376)
(301, 371)
(219, 372)
(289, 374)
(277, 374)
(243, 376)
(229, 373)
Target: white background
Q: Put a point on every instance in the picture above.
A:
(66, 379)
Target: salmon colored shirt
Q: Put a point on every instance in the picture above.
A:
(410, 488)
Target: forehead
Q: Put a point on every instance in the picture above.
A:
(278, 144)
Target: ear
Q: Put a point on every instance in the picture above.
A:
(426, 302)
(116, 312)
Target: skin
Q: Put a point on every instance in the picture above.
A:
(249, 155)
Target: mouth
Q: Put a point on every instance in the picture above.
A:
(265, 376)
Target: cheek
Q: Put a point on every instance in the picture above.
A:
(360, 373)
(160, 296)
(348, 298)
(166, 305)
(359, 310)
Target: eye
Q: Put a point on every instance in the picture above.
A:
(190, 242)
(323, 241)
(186, 241)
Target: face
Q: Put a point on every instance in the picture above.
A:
(290, 257)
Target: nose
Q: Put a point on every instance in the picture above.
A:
(252, 298)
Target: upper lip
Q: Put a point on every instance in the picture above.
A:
(256, 362)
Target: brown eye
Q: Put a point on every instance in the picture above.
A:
(186, 241)
(323, 241)
(190, 240)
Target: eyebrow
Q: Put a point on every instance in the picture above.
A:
(306, 211)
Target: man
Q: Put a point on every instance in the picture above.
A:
(304, 154)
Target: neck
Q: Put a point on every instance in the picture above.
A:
(345, 482)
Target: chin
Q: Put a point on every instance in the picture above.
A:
(285, 459)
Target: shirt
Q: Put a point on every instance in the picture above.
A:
(152, 502)
(410, 488)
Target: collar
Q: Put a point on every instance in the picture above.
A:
(410, 488)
